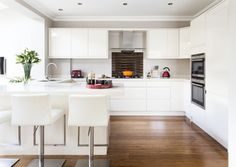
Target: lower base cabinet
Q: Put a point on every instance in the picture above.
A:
(152, 96)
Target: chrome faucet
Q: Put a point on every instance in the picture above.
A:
(47, 69)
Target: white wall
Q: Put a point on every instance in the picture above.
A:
(18, 32)
(232, 67)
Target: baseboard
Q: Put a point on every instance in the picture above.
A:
(159, 113)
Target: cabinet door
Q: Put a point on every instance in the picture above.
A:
(173, 43)
(60, 43)
(198, 31)
(177, 96)
(79, 43)
(156, 43)
(128, 105)
(98, 44)
(184, 42)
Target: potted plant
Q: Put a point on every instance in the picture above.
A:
(27, 59)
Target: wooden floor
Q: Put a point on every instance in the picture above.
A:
(156, 142)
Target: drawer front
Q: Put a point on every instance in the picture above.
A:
(132, 93)
(128, 105)
(158, 105)
(158, 84)
(158, 93)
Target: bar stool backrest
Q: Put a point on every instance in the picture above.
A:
(88, 110)
(31, 109)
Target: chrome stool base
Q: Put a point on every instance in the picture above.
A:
(96, 163)
(8, 162)
(48, 163)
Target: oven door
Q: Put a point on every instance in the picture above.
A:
(198, 67)
(198, 94)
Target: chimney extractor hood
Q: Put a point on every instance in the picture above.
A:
(127, 40)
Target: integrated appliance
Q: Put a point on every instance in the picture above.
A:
(198, 79)
(2, 66)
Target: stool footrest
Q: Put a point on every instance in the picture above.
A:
(96, 163)
(48, 163)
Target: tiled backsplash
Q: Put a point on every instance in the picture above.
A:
(178, 67)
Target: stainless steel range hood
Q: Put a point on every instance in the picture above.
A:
(127, 40)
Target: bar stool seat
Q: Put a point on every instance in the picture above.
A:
(35, 110)
(89, 111)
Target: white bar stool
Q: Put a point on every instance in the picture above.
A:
(35, 110)
(5, 116)
(89, 111)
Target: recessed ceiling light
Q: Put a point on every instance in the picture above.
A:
(79, 3)
(170, 3)
(125, 3)
(60, 10)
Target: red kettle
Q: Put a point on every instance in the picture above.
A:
(166, 72)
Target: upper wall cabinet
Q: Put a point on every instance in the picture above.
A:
(78, 43)
(163, 43)
(98, 43)
(198, 34)
(59, 43)
(184, 43)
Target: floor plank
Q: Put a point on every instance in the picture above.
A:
(155, 142)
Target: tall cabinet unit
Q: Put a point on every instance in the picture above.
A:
(198, 34)
(163, 43)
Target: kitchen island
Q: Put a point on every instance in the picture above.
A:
(76, 139)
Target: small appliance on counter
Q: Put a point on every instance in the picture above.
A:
(166, 72)
(76, 74)
(98, 83)
(155, 72)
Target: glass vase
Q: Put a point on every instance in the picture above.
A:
(27, 70)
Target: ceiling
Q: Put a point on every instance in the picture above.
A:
(114, 9)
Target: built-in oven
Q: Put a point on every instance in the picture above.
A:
(198, 79)
(198, 65)
(198, 94)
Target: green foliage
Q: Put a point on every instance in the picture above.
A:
(27, 57)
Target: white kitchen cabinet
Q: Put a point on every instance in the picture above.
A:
(184, 43)
(79, 43)
(158, 93)
(177, 96)
(98, 44)
(128, 105)
(162, 43)
(156, 43)
(217, 57)
(198, 34)
(172, 43)
(154, 105)
(59, 43)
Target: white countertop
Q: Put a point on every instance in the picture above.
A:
(57, 88)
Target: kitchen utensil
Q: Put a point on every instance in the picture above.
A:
(166, 72)
(127, 73)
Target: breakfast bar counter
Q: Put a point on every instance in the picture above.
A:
(76, 140)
